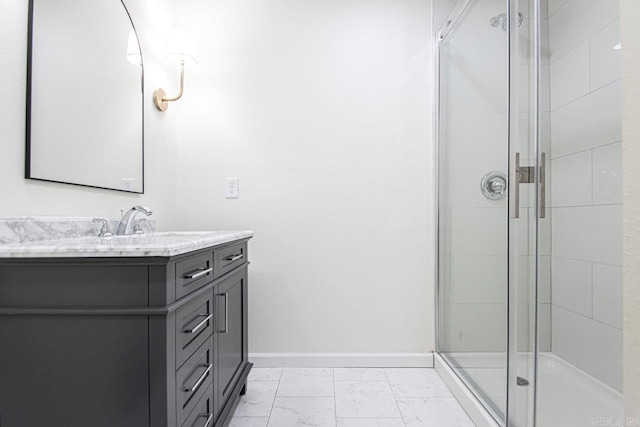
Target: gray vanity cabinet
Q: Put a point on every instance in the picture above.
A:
(104, 342)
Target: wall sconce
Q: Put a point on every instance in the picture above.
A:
(181, 51)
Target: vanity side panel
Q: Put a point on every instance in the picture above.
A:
(162, 365)
(74, 371)
(245, 318)
(73, 285)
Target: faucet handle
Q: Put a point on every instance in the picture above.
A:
(105, 230)
(137, 227)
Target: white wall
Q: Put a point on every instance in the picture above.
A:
(26, 197)
(586, 186)
(322, 109)
(630, 26)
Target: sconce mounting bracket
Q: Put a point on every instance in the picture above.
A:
(160, 99)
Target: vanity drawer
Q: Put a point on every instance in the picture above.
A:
(230, 257)
(193, 273)
(193, 380)
(194, 324)
(202, 414)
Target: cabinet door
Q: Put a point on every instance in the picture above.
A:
(231, 331)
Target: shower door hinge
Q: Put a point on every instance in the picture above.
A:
(524, 175)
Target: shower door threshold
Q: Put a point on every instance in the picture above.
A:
(469, 402)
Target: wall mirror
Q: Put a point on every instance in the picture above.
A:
(84, 95)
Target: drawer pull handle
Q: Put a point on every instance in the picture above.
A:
(209, 419)
(199, 325)
(198, 383)
(226, 314)
(198, 273)
(234, 257)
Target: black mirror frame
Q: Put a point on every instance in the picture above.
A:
(28, 107)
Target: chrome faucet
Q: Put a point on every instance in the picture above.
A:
(125, 223)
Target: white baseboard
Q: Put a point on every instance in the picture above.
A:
(342, 360)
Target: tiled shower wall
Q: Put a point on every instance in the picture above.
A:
(586, 186)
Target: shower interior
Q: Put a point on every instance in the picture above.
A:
(530, 309)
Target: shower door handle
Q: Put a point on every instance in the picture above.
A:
(514, 187)
(543, 184)
(524, 175)
(515, 178)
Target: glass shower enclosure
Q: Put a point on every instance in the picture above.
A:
(528, 128)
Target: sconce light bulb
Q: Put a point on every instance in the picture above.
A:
(181, 47)
(134, 56)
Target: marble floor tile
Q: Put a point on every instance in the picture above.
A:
(359, 374)
(365, 399)
(370, 422)
(258, 400)
(249, 422)
(265, 374)
(303, 411)
(306, 382)
(433, 412)
(416, 382)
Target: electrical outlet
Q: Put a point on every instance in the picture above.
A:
(128, 183)
(233, 188)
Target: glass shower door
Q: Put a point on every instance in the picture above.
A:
(530, 208)
(528, 219)
(488, 209)
(473, 151)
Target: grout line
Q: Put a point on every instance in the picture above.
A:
(557, 10)
(592, 176)
(495, 208)
(592, 293)
(586, 260)
(275, 397)
(335, 403)
(588, 318)
(476, 303)
(589, 37)
(554, 110)
(589, 71)
(585, 150)
(395, 398)
(592, 155)
(587, 206)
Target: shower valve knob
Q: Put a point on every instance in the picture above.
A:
(494, 185)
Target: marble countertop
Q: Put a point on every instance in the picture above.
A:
(162, 244)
